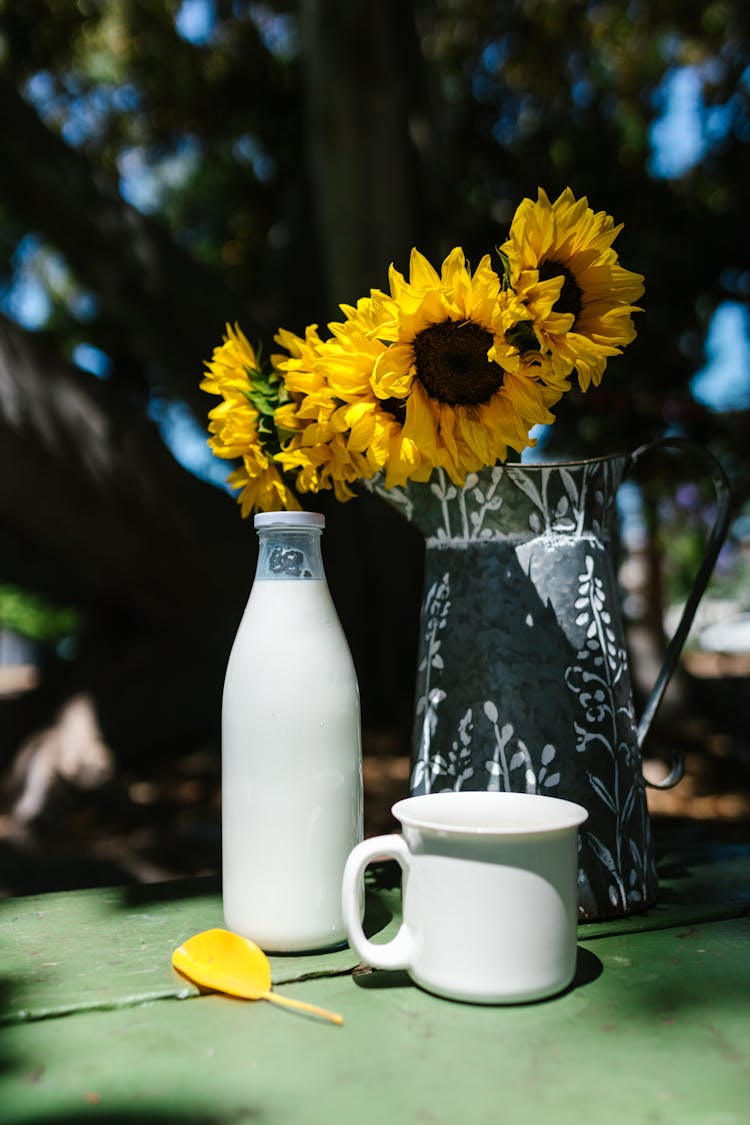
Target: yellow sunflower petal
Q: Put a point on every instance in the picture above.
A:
(570, 244)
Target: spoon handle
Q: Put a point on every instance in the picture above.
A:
(286, 1002)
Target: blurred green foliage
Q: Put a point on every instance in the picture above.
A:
(35, 617)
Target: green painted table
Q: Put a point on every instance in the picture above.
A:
(97, 1026)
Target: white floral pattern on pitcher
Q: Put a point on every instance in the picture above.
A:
(523, 681)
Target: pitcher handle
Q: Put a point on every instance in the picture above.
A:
(716, 538)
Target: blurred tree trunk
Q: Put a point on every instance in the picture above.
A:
(370, 138)
(95, 511)
(372, 161)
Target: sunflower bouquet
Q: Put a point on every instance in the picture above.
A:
(445, 370)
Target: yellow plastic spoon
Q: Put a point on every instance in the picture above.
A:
(225, 962)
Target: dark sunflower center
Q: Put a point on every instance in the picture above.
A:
(570, 299)
(452, 363)
(396, 407)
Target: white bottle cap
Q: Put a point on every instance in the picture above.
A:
(289, 519)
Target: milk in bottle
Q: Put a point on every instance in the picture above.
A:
(291, 748)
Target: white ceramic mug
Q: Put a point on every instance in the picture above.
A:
(490, 904)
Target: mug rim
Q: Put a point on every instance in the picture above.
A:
(568, 814)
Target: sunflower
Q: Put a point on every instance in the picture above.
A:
(446, 369)
(313, 441)
(562, 267)
(239, 430)
(460, 390)
(342, 431)
(315, 452)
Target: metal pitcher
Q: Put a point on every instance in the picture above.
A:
(523, 681)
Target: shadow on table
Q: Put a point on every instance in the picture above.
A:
(588, 969)
(378, 908)
(378, 914)
(680, 842)
(173, 890)
(703, 868)
(26, 871)
(29, 1071)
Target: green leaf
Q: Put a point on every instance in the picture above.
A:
(33, 616)
(523, 337)
(505, 277)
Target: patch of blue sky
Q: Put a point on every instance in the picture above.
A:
(41, 91)
(495, 54)
(724, 383)
(82, 304)
(686, 128)
(680, 138)
(92, 359)
(188, 441)
(278, 30)
(535, 453)
(630, 510)
(247, 150)
(26, 301)
(138, 182)
(39, 276)
(143, 179)
(86, 116)
(196, 21)
(81, 113)
(484, 80)
(582, 91)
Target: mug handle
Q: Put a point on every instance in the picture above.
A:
(394, 954)
(716, 538)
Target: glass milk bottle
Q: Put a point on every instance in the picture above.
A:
(291, 748)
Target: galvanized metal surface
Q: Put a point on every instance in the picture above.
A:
(523, 681)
